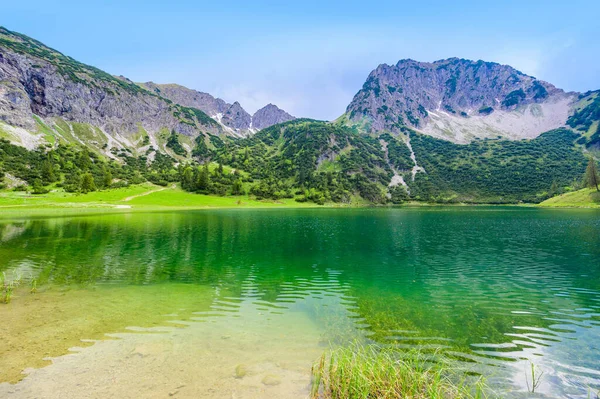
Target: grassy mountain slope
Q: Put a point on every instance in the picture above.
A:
(498, 170)
(100, 131)
(584, 198)
(586, 119)
(322, 162)
(335, 159)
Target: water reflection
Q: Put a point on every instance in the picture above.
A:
(494, 288)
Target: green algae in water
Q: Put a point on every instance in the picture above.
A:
(492, 288)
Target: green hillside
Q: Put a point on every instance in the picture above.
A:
(123, 134)
(319, 162)
(585, 198)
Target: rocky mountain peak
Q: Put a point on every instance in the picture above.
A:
(269, 115)
(420, 94)
(233, 117)
(237, 118)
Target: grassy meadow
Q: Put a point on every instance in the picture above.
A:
(586, 198)
(148, 196)
(145, 196)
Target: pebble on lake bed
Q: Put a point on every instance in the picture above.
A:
(240, 371)
(271, 380)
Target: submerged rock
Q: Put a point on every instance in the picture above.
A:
(271, 380)
(240, 371)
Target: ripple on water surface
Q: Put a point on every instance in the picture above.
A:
(492, 288)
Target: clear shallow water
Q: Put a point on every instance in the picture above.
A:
(495, 288)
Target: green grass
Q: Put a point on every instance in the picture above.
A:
(328, 166)
(65, 131)
(45, 130)
(59, 198)
(586, 198)
(178, 198)
(139, 197)
(138, 138)
(161, 139)
(147, 197)
(362, 372)
(5, 134)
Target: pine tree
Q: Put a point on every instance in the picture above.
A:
(203, 179)
(554, 189)
(72, 182)
(48, 171)
(106, 177)
(174, 144)
(237, 188)
(187, 179)
(84, 161)
(38, 188)
(87, 183)
(592, 178)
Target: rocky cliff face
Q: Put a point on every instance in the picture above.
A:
(237, 118)
(458, 100)
(233, 117)
(269, 115)
(188, 97)
(37, 81)
(47, 97)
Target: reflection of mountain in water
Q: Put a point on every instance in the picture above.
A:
(486, 286)
(8, 231)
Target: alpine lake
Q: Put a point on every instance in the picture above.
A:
(241, 303)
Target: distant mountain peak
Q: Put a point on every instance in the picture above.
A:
(233, 117)
(269, 115)
(454, 98)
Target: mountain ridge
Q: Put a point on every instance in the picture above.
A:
(233, 117)
(48, 97)
(520, 139)
(459, 100)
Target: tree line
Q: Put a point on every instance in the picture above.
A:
(320, 162)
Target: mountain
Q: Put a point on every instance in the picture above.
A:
(47, 97)
(269, 115)
(585, 119)
(233, 117)
(448, 131)
(458, 100)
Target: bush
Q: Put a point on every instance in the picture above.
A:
(38, 188)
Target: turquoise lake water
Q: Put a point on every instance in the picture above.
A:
(494, 289)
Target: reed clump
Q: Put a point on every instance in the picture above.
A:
(9, 286)
(370, 371)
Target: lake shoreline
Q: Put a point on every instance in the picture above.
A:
(147, 197)
(93, 207)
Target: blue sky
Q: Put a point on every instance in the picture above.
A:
(311, 57)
